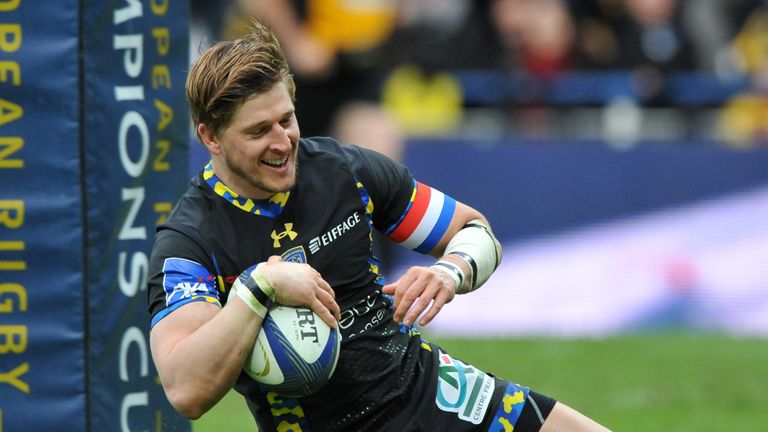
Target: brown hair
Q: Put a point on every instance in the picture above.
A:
(229, 72)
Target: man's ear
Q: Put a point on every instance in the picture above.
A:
(209, 139)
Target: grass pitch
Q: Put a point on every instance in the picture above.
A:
(650, 382)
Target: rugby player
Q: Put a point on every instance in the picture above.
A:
(296, 215)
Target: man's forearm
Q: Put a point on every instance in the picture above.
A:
(199, 368)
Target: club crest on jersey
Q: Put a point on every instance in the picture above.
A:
(295, 254)
(335, 232)
(288, 232)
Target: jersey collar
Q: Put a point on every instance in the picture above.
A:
(270, 207)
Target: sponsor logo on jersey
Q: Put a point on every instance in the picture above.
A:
(288, 232)
(295, 254)
(184, 279)
(185, 290)
(334, 233)
(463, 389)
(364, 315)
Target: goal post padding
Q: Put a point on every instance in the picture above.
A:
(93, 152)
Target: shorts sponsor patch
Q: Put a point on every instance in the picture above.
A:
(510, 408)
(463, 389)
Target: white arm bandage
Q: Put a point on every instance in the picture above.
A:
(476, 244)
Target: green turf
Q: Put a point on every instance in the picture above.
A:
(658, 382)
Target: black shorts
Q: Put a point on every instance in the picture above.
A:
(454, 396)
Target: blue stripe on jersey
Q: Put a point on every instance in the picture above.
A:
(185, 281)
(434, 236)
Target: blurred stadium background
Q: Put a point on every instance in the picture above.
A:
(619, 148)
(628, 180)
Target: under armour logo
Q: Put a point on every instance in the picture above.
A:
(288, 232)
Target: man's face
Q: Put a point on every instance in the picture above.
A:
(257, 156)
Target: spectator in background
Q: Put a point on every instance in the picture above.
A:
(441, 35)
(347, 55)
(744, 120)
(334, 49)
(205, 20)
(435, 39)
(653, 42)
(712, 24)
(596, 38)
(536, 36)
(652, 34)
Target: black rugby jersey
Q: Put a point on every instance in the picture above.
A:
(341, 193)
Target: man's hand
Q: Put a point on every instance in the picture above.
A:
(420, 289)
(301, 285)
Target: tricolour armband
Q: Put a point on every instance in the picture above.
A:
(476, 244)
(255, 290)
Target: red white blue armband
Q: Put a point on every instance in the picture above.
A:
(424, 221)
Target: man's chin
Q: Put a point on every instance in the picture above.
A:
(282, 187)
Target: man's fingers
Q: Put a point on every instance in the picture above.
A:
(403, 304)
(329, 301)
(413, 302)
(326, 313)
(403, 294)
(327, 297)
(437, 305)
(425, 299)
(389, 289)
(326, 287)
(417, 308)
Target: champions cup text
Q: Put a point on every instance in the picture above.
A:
(140, 147)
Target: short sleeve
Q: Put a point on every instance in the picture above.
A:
(388, 183)
(179, 274)
(408, 212)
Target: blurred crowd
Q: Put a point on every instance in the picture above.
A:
(372, 71)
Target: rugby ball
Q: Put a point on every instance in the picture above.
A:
(295, 352)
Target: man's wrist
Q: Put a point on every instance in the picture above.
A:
(255, 290)
(261, 285)
(451, 270)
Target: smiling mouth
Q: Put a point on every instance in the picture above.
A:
(275, 163)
